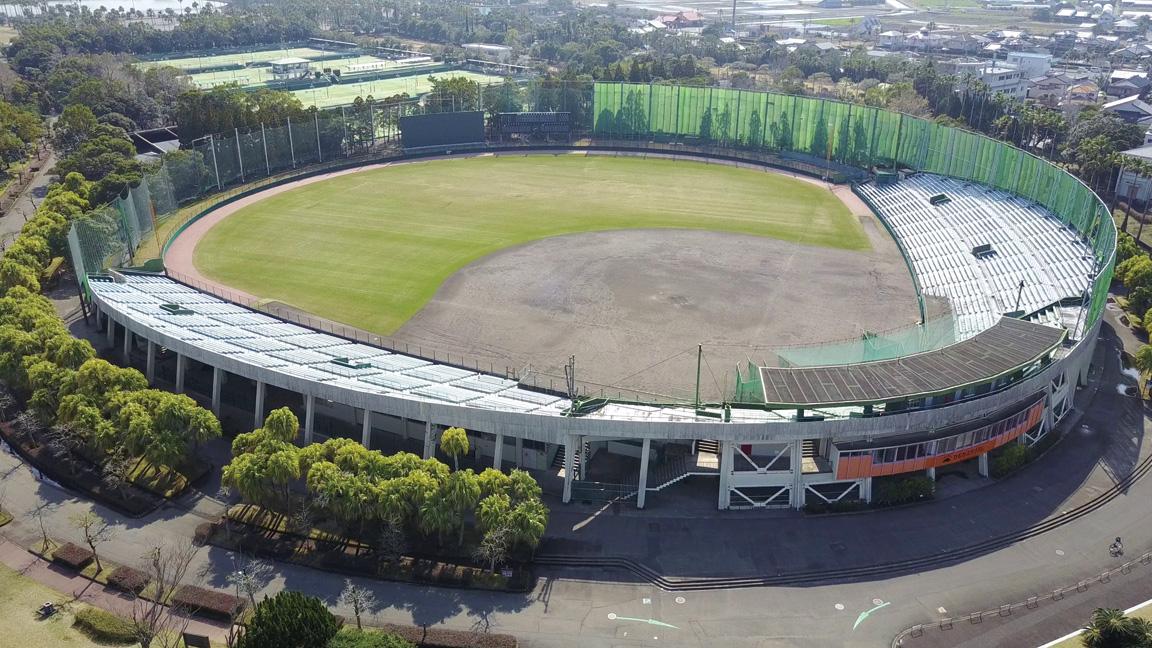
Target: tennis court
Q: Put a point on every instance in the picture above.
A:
(256, 76)
(345, 94)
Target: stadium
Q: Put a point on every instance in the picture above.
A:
(628, 285)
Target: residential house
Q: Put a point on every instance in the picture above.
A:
(1131, 109)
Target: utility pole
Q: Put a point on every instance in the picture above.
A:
(1019, 292)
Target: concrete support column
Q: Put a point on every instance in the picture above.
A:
(726, 455)
(982, 465)
(866, 489)
(217, 388)
(181, 369)
(796, 496)
(581, 461)
(309, 417)
(571, 444)
(110, 331)
(498, 452)
(931, 472)
(642, 487)
(519, 452)
(258, 417)
(150, 367)
(366, 431)
(429, 441)
(127, 352)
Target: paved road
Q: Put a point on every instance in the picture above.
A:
(12, 220)
(608, 608)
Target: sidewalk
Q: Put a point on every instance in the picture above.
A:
(85, 591)
(22, 209)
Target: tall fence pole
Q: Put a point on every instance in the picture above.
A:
(319, 153)
(215, 166)
(264, 139)
(239, 154)
(344, 119)
(291, 143)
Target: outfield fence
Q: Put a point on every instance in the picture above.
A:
(820, 138)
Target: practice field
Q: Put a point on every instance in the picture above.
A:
(345, 93)
(256, 76)
(371, 248)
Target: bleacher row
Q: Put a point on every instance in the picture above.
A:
(253, 338)
(1029, 244)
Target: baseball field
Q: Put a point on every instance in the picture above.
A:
(372, 248)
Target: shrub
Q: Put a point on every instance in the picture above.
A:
(353, 638)
(290, 620)
(72, 556)
(127, 579)
(104, 627)
(900, 490)
(1009, 459)
(206, 602)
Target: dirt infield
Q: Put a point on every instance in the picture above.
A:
(632, 305)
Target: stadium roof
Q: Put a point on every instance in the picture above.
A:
(1009, 345)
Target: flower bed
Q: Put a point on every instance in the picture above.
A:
(127, 579)
(72, 556)
(207, 603)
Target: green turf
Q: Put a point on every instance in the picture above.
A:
(371, 248)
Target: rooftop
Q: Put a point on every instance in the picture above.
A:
(1009, 345)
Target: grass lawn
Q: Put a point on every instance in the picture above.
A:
(19, 599)
(370, 249)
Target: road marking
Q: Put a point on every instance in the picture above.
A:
(1059, 552)
(646, 601)
(864, 615)
(680, 600)
(941, 610)
(612, 616)
(839, 606)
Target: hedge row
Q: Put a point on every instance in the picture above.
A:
(72, 556)
(127, 579)
(444, 638)
(208, 603)
(104, 627)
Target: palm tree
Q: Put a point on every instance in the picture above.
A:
(454, 442)
(1110, 628)
(438, 516)
(461, 492)
(527, 521)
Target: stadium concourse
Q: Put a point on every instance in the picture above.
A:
(809, 433)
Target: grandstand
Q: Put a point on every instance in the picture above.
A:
(1022, 251)
(1026, 242)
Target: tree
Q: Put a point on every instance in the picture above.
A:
(438, 516)
(493, 547)
(74, 126)
(527, 521)
(1111, 628)
(360, 599)
(1143, 359)
(289, 620)
(454, 442)
(462, 491)
(95, 530)
(250, 576)
(166, 567)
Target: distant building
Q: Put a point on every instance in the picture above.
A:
(1131, 186)
(501, 53)
(1030, 64)
(1131, 109)
(287, 69)
(1049, 90)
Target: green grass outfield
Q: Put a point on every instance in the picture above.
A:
(370, 249)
